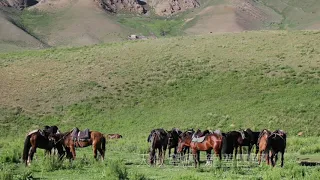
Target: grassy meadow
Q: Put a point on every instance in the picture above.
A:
(257, 80)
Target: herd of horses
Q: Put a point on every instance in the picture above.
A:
(224, 145)
(65, 143)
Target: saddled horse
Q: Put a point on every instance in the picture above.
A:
(80, 139)
(233, 140)
(212, 141)
(38, 139)
(158, 139)
(173, 140)
(263, 145)
(277, 143)
(250, 138)
(113, 136)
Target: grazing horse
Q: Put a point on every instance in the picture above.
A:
(277, 143)
(38, 139)
(250, 139)
(113, 136)
(211, 141)
(75, 138)
(50, 130)
(232, 140)
(173, 140)
(263, 144)
(158, 140)
(184, 142)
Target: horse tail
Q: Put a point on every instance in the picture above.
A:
(26, 148)
(103, 143)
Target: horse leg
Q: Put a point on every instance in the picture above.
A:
(194, 153)
(73, 152)
(282, 157)
(257, 150)
(169, 152)
(249, 152)
(198, 158)
(276, 158)
(240, 150)
(208, 157)
(236, 152)
(94, 147)
(31, 154)
(101, 153)
(164, 155)
(259, 157)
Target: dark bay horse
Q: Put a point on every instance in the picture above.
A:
(173, 140)
(95, 139)
(233, 140)
(277, 143)
(38, 139)
(158, 139)
(263, 145)
(211, 141)
(50, 130)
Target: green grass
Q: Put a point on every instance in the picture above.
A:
(248, 80)
(157, 26)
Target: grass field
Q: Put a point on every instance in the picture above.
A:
(267, 79)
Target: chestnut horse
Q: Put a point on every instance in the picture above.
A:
(38, 139)
(113, 136)
(263, 145)
(212, 141)
(96, 140)
(184, 143)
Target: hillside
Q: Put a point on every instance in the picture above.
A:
(233, 77)
(257, 80)
(78, 23)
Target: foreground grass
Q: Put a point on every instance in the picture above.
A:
(251, 80)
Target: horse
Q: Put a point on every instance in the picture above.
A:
(250, 139)
(211, 141)
(232, 141)
(113, 136)
(263, 145)
(38, 139)
(184, 142)
(76, 139)
(50, 130)
(173, 140)
(277, 143)
(158, 140)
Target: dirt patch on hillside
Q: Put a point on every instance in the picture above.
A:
(234, 16)
(79, 23)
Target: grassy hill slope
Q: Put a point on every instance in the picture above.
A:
(258, 80)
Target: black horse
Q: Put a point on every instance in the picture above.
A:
(158, 139)
(39, 139)
(173, 140)
(49, 131)
(250, 139)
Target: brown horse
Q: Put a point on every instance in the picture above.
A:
(263, 145)
(184, 143)
(95, 139)
(211, 141)
(158, 140)
(38, 139)
(277, 143)
(113, 136)
(233, 140)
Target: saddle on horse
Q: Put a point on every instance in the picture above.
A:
(78, 135)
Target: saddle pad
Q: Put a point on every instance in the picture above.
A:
(34, 131)
(199, 140)
(83, 135)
